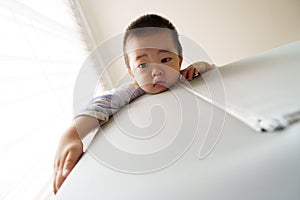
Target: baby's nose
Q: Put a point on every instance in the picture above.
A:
(157, 71)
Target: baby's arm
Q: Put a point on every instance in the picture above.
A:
(70, 147)
(194, 69)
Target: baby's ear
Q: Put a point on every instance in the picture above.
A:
(180, 60)
(130, 72)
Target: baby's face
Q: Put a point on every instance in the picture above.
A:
(154, 62)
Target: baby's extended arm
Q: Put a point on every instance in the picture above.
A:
(70, 147)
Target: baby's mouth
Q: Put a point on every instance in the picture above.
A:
(159, 84)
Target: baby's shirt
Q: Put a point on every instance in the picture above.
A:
(106, 105)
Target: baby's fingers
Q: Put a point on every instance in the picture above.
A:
(184, 73)
(69, 163)
(192, 71)
(63, 170)
(58, 178)
(58, 181)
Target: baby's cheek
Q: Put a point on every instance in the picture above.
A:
(143, 80)
(147, 88)
(173, 79)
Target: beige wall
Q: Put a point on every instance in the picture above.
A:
(227, 29)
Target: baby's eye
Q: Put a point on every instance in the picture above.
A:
(144, 65)
(164, 60)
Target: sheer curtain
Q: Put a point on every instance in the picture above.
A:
(41, 52)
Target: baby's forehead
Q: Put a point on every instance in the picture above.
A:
(152, 41)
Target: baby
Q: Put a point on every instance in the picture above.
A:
(153, 56)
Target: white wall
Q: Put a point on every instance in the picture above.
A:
(227, 29)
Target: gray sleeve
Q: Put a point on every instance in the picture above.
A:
(104, 106)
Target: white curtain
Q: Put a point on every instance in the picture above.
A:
(41, 52)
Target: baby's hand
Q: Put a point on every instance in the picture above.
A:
(194, 69)
(68, 153)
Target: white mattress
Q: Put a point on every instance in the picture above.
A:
(178, 146)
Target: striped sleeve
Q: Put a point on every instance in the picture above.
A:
(104, 106)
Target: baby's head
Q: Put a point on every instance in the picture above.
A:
(152, 53)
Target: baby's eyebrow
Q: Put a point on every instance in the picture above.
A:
(165, 51)
(140, 56)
